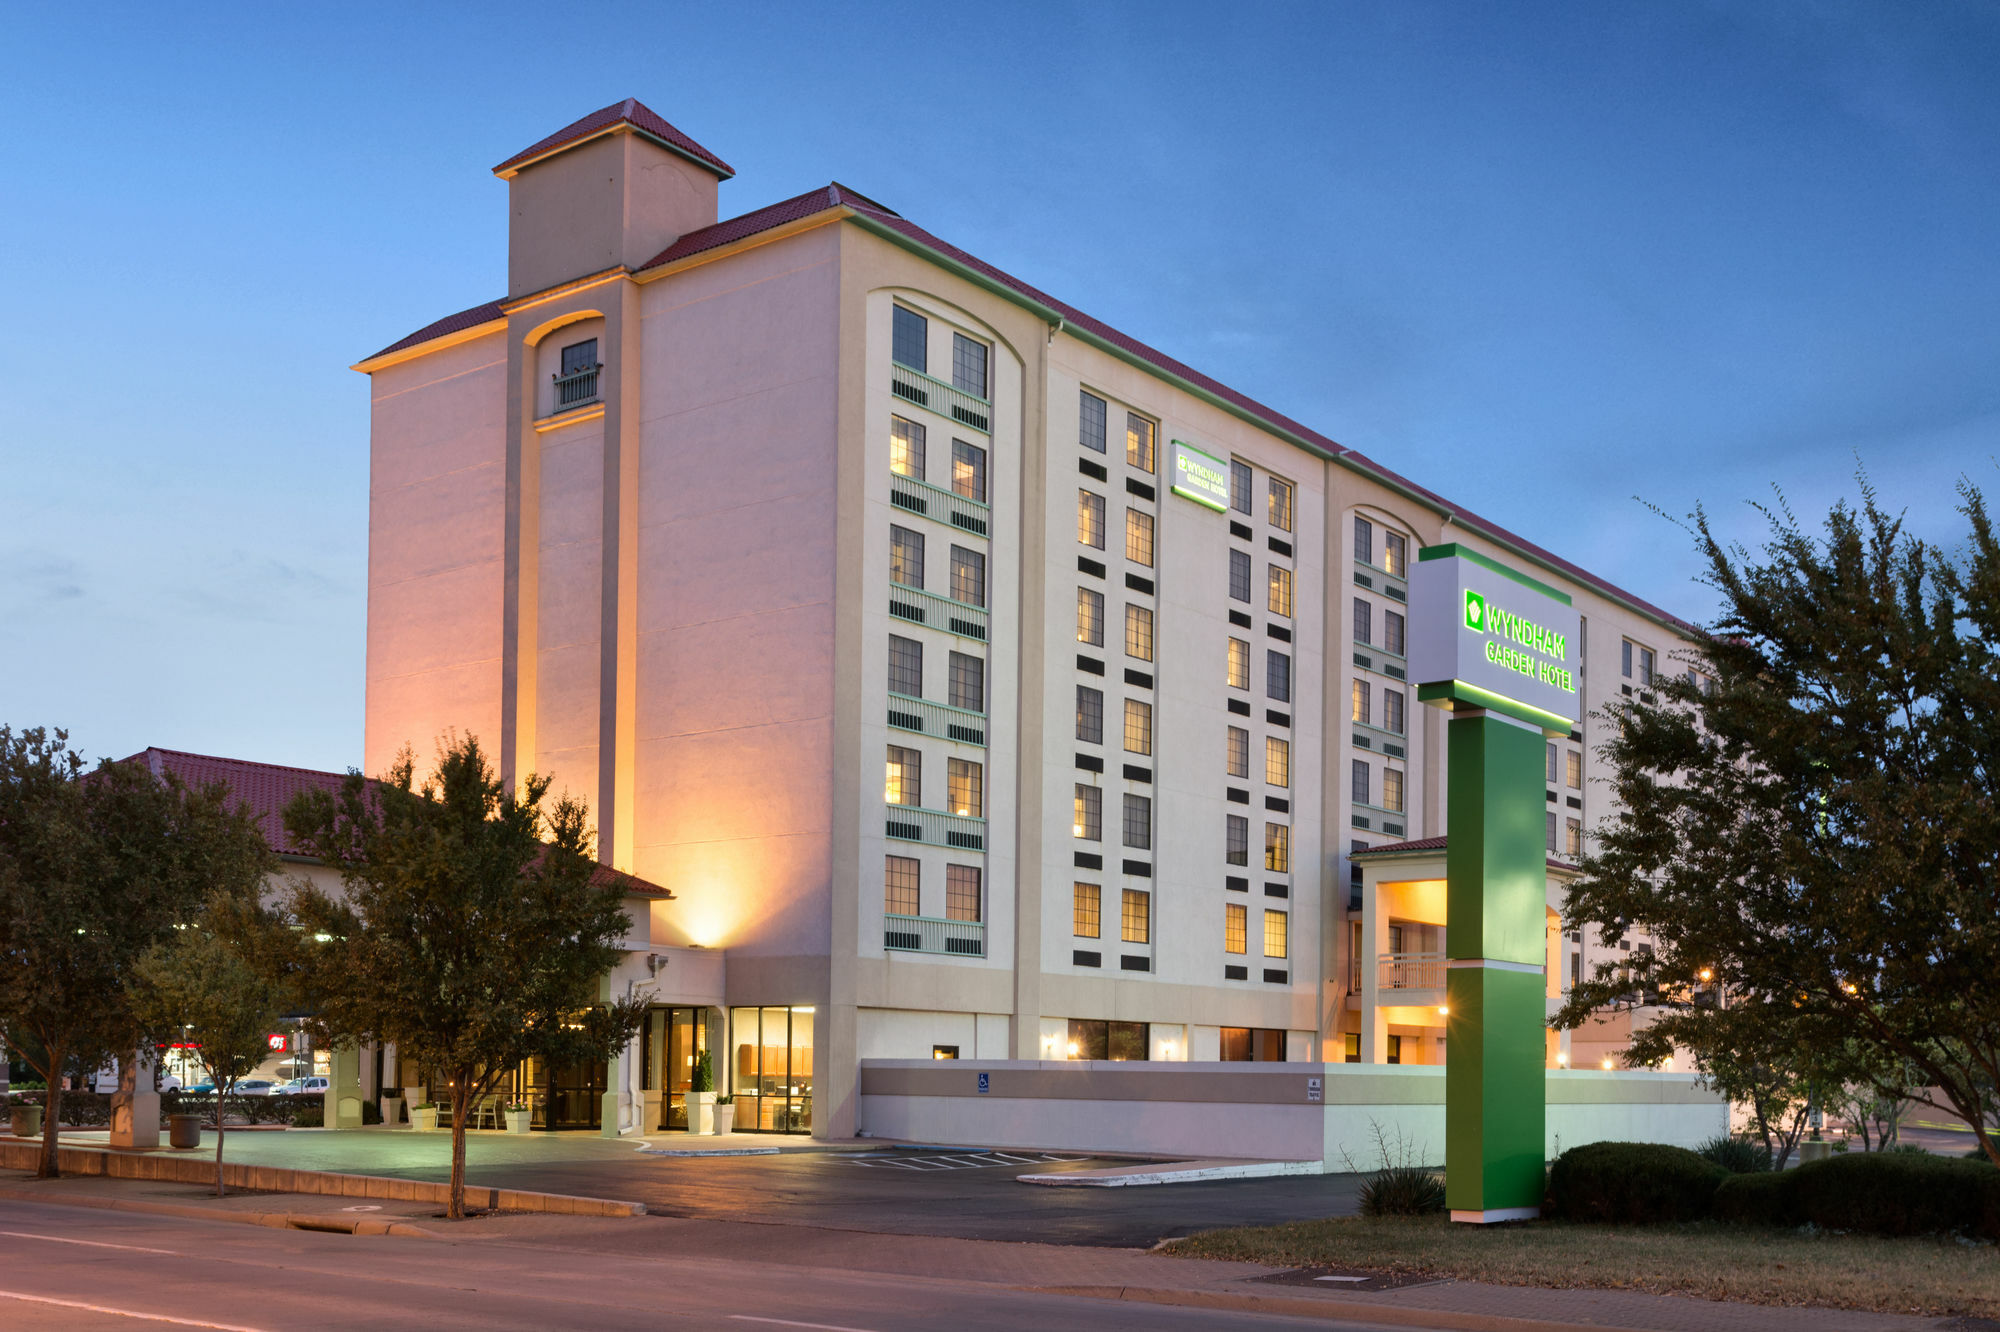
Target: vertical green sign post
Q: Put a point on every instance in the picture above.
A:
(1500, 652)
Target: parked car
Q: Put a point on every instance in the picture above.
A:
(301, 1087)
(255, 1087)
(203, 1088)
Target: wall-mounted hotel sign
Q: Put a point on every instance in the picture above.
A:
(1483, 635)
(1201, 477)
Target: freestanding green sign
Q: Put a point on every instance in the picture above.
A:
(1500, 652)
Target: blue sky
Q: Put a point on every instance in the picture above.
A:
(1543, 258)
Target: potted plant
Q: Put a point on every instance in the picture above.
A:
(424, 1118)
(725, 1114)
(517, 1116)
(701, 1096)
(26, 1120)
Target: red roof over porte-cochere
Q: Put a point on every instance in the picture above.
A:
(266, 788)
(1434, 844)
(631, 112)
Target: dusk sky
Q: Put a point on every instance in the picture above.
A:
(1542, 258)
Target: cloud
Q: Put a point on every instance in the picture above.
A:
(38, 577)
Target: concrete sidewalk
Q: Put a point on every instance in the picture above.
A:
(294, 1211)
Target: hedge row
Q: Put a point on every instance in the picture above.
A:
(1885, 1193)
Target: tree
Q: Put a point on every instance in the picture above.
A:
(95, 868)
(204, 985)
(1814, 828)
(475, 929)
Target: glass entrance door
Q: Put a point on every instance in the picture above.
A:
(562, 1096)
(686, 1038)
(771, 1069)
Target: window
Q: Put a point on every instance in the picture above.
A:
(944, 1052)
(1394, 1052)
(1235, 928)
(1239, 664)
(1239, 575)
(1363, 710)
(1138, 442)
(910, 335)
(1281, 591)
(1239, 486)
(902, 891)
(1354, 878)
(1245, 1045)
(1139, 537)
(1364, 541)
(1278, 677)
(1089, 715)
(968, 683)
(1275, 934)
(1139, 633)
(1392, 789)
(1277, 761)
(1353, 1043)
(968, 470)
(1575, 770)
(1395, 554)
(1364, 621)
(906, 666)
(1138, 822)
(579, 357)
(1549, 832)
(965, 783)
(1090, 519)
(1135, 922)
(1361, 791)
(968, 576)
(1239, 752)
(1625, 658)
(1277, 848)
(1089, 813)
(906, 557)
(968, 365)
(1573, 838)
(906, 777)
(1116, 1041)
(1238, 834)
(1090, 422)
(1089, 617)
(1550, 757)
(1392, 632)
(961, 892)
(1645, 665)
(1281, 504)
(1086, 910)
(906, 448)
(1392, 711)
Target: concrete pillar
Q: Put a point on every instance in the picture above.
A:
(616, 1102)
(135, 1106)
(343, 1091)
(1374, 1027)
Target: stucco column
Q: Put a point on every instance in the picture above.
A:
(615, 1102)
(343, 1090)
(135, 1108)
(1374, 1027)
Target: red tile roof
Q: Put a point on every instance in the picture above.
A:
(268, 787)
(631, 112)
(1432, 844)
(765, 219)
(464, 319)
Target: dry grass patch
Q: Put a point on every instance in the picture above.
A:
(1705, 1259)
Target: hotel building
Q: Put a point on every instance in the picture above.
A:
(980, 681)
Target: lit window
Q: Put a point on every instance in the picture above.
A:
(1573, 837)
(1136, 920)
(1392, 632)
(902, 879)
(1090, 519)
(1138, 727)
(1089, 617)
(1275, 934)
(1277, 848)
(1239, 575)
(1139, 633)
(1089, 813)
(906, 666)
(961, 892)
(1363, 711)
(1281, 591)
(1090, 422)
(906, 557)
(1392, 789)
(968, 470)
(1361, 783)
(1139, 537)
(1395, 554)
(968, 576)
(1364, 621)
(1089, 715)
(1364, 541)
(911, 336)
(1239, 664)
(1575, 770)
(1086, 910)
(1278, 676)
(1139, 442)
(1239, 752)
(1392, 711)
(906, 448)
(1277, 761)
(965, 783)
(1237, 831)
(906, 777)
(1235, 928)
(1281, 504)
(968, 683)
(968, 365)
(1138, 822)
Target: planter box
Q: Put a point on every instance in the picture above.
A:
(517, 1120)
(701, 1112)
(26, 1121)
(392, 1110)
(725, 1118)
(424, 1118)
(184, 1131)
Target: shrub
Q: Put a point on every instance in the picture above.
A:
(1632, 1182)
(309, 1116)
(1890, 1193)
(1757, 1200)
(371, 1113)
(1402, 1191)
(1738, 1156)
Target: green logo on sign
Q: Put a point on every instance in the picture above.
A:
(1475, 611)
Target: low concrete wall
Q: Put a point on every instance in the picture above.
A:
(26, 1154)
(1256, 1111)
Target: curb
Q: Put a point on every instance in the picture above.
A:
(274, 1220)
(1183, 1172)
(1323, 1306)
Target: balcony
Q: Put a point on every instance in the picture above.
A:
(576, 388)
(954, 405)
(943, 506)
(928, 608)
(1411, 971)
(934, 827)
(928, 934)
(938, 719)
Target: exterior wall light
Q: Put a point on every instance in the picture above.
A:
(1072, 1049)
(1607, 1063)
(1562, 1058)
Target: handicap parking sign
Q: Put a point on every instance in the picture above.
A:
(985, 1083)
(1314, 1090)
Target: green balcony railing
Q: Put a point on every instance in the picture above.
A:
(939, 505)
(928, 608)
(953, 404)
(938, 719)
(907, 823)
(928, 934)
